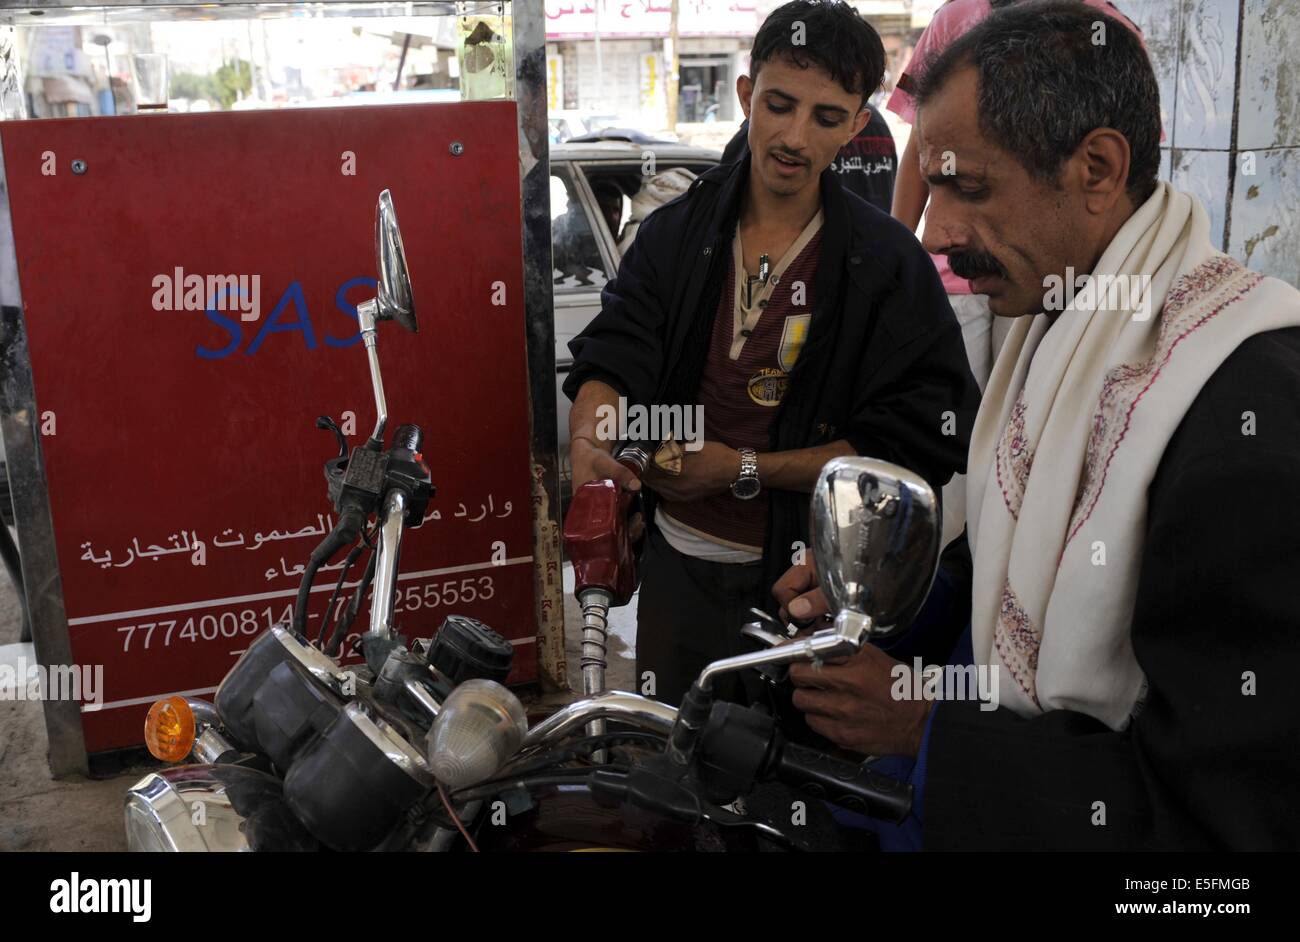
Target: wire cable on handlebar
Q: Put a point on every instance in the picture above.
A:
(327, 621)
(354, 606)
(446, 803)
(535, 772)
(497, 786)
(580, 749)
(714, 814)
(351, 522)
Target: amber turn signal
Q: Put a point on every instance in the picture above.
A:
(169, 729)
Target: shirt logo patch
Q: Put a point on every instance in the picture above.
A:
(767, 386)
(793, 334)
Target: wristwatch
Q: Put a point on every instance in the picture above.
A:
(747, 486)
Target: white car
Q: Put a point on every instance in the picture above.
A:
(567, 124)
(593, 186)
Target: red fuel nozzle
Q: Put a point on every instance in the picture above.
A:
(598, 541)
(597, 535)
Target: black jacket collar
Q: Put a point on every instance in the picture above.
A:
(733, 179)
(844, 231)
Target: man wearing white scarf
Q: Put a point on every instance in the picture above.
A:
(1132, 479)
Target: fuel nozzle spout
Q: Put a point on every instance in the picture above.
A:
(598, 542)
(595, 604)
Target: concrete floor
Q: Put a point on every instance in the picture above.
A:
(38, 813)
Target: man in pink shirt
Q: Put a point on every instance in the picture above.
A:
(981, 331)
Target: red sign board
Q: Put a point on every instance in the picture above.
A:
(177, 415)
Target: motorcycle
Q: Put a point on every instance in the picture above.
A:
(421, 747)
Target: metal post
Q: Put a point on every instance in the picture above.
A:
(21, 425)
(406, 45)
(529, 25)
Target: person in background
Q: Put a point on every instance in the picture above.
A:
(655, 192)
(609, 197)
(982, 332)
(803, 325)
(866, 165)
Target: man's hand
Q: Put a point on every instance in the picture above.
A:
(800, 597)
(850, 703)
(592, 463)
(709, 471)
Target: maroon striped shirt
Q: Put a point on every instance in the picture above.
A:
(740, 396)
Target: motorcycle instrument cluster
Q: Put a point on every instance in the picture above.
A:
(354, 783)
(236, 698)
(465, 648)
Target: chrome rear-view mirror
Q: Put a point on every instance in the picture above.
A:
(875, 532)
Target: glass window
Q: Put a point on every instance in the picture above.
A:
(116, 60)
(627, 196)
(576, 256)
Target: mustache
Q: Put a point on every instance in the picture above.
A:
(789, 155)
(970, 265)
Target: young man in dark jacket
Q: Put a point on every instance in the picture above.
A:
(804, 323)
(867, 165)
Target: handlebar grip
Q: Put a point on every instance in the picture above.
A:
(845, 784)
(409, 437)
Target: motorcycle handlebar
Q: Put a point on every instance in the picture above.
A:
(843, 783)
(631, 708)
(739, 747)
(390, 546)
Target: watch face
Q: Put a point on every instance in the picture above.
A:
(746, 488)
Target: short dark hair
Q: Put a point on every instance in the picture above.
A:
(1044, 85)
(832, 36)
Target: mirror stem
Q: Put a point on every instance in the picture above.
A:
(847, 636)
(366, 312)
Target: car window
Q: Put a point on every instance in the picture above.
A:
(626, 194)
(577, 260)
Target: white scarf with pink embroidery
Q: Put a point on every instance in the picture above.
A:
(1071, 430)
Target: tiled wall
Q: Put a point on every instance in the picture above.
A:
(1229, 74)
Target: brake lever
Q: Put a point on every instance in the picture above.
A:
(756, 632)
(644, 786)
(769, 632)
(723, 818)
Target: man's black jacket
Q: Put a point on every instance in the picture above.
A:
(1212, 760)
(883, 366)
